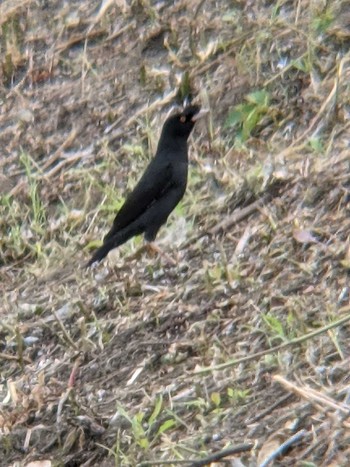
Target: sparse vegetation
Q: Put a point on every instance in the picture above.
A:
(241, 351)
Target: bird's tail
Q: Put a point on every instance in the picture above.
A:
(116, 240)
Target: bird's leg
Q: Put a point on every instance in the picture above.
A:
(153, 248)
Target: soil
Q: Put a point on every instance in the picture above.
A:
(239, 353)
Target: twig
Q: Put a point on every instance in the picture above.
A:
(121, 31)
(146, 108)
(268, 410)
(80, 38)
(312, 395)
(295, 341)
(62, 400)
(331, 99)
(244, 447)
(57, 154)
(69, 160)
(67, 336)
(6, 356)
(238, 215)
(221, 454)
(74, 371)
(19, 341)
(284, 446)
(172, 462)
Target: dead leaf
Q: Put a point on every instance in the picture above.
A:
(41, 463)
(304, 236)
(270, 446)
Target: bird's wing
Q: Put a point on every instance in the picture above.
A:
(153, 183)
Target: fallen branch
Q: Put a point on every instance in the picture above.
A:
(295, 341)
(244, 447)
(238, 215)
(221, 454)
(284, 446)
(313, 396)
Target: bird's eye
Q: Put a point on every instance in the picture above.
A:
(182, 119)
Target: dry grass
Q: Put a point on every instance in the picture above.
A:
(242, 350)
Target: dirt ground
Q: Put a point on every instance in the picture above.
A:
(237, 355)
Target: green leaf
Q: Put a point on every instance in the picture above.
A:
(234, 117)
(260, 98)
(124, 414)
(316, 144)
(166, 426)
(156, 411)
(301, 64)
(137, 427)
(248, 114)
(143, 443)
(215, 398)
(93, 244)
(321, 23)
(274, 324)
(133, 149)
(251, 121)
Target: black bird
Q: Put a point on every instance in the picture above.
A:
(159, 190)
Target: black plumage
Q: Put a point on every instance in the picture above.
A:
(159, 190)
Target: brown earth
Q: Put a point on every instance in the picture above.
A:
(240, 351)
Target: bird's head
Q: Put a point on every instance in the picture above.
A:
(181, 124)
